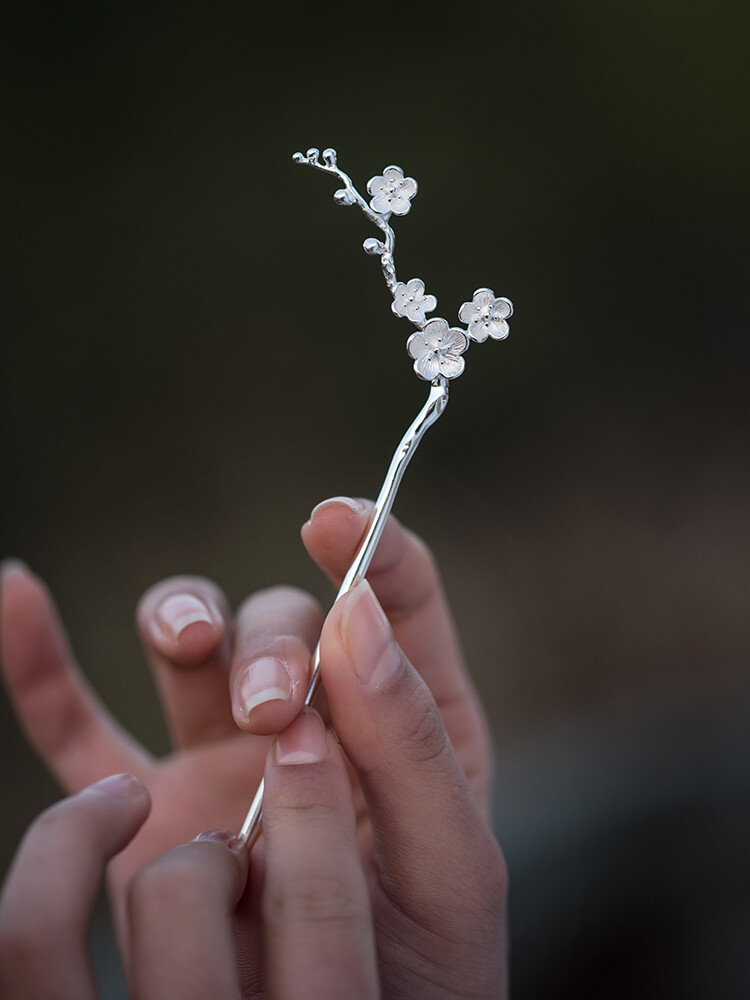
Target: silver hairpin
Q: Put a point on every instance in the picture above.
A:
(437, 351)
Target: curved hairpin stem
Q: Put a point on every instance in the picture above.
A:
(436, 403)
(436, 349)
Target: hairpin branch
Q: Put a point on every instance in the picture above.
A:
(437, 351)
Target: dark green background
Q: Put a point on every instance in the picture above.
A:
(195, 351)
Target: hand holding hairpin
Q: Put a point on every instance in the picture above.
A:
(437, 351)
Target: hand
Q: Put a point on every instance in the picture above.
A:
(183, 928)
(436, 875)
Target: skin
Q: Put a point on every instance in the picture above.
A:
(381, 844)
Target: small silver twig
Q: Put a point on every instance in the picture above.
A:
(437, 351)
(349, 195)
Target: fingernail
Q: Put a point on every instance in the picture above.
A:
(118, 786)
(224, 837)
(304, 742)
(354, 506)
(175, 613)
(264, 680)
(368, 637)
(8, 566)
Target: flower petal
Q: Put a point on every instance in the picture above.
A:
(483, 297)
(455, 341)
(502, 308)
(478, 331)
(393, 173)
(499, 330)
(452, 367)
(408, 187)
(375, 185)
(468, 312)
(416, 346)
(429, 303)
(427, 368)
(415, 286)
(434, 328)
(380, 204)
(400, 206)
(399, 299)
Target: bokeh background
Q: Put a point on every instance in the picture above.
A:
(195, 351)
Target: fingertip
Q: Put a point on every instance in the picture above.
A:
(16, 578)
(182, 620)
(13, 567)
(330, 517)
(32, 641)
(119, 786)
(275, 633)
(121, 795)
(334, 507)
(236, 849)
(265, 697)
(304, 741)
(334, 532)
(177, 612)
(224, 838)
(13, 574)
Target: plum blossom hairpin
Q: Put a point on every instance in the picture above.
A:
(436, 348)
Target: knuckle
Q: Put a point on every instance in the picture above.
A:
(294, 797)
(424, 736)
(317, 898)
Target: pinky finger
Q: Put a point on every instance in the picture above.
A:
(46, 904)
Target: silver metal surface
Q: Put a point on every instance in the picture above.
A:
(436, 349)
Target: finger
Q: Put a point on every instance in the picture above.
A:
(319, 936)
(52, 887)
(406, 581)
(181, 921)
(276, 632)
(183, 625)
(66, 723)
(416, 791)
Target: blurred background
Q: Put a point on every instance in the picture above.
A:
(195, 351)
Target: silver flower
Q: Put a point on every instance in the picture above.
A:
(437, 350)
(486, 316)
(410, 301)
(392, 192)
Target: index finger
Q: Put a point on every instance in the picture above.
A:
(405, 579)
